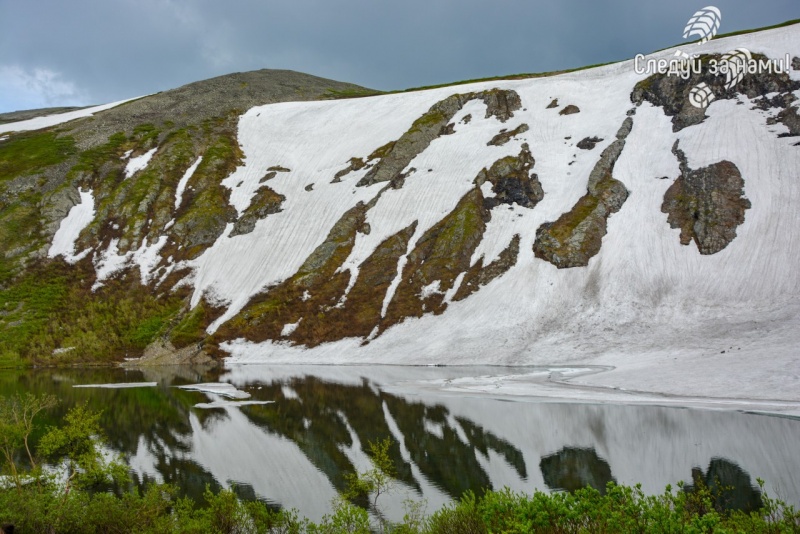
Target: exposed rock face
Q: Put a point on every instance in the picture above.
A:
(553, 104)
(672, 92)
(480, 275)
(440, 255)
(505, 136)
(577, 235)
(512, 181)
(570, 110)
(265, 202)
(707, 204)
(500, 103)
(305, 298)
(588, 143)
(355, 164)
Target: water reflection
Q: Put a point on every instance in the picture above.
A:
(730, 485)
(574, 468)
(296, 451)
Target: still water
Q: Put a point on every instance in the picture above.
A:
(287, 435)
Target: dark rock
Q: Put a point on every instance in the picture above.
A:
(512, 181)
(309, 187)
(467, 118)
(448, 130)
(505, 136)
(265, 202)
(278, 168)
(269, 176)
(570, 110)
(553, 104)
(796, 63)
(707, 204)
(671, 93)
(354, 164)
(588, 143)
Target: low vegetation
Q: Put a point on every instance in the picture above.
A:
(65, 483)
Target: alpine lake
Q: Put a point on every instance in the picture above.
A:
(288, 435)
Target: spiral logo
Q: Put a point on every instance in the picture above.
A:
(703, 24)
(701, 96)
(734, 64)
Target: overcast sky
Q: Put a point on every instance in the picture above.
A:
(80, 52)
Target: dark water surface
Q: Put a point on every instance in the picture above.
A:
(295, 450)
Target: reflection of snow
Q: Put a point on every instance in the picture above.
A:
(119, 385)
(229, 404)
(218, 388)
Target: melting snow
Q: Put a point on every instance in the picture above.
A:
(139, 163)
(51, 120)
(71, 227)
(185, 180)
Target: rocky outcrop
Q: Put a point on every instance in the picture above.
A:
(355, 164)
(265, 202)
(512, 181)
(506, 135)
(396, 156)
(707, 204)
(480, 275)
(570, 109)
(304, 299)
(588, 143)
(440, 255)
(671, 93)
(575, 237)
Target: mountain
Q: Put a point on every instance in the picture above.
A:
(594, 216)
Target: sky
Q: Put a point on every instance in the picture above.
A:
(82, 52)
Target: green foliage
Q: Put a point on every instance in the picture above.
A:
(77, 505)
(376, 481)
(17, 415)
(24, 153)
(92, 159)
(52, 308)
(191, 328)
(78, 445)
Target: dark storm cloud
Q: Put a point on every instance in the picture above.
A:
(91, 51)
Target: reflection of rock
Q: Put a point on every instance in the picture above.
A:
(446, 456)
(730, 486)
(574, 468)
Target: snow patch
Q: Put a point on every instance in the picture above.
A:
(185, 180)
(139, 163)
(78, 218)
(51, 120)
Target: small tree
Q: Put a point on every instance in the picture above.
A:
(17, 415)
(78, 444)
(376, 481)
